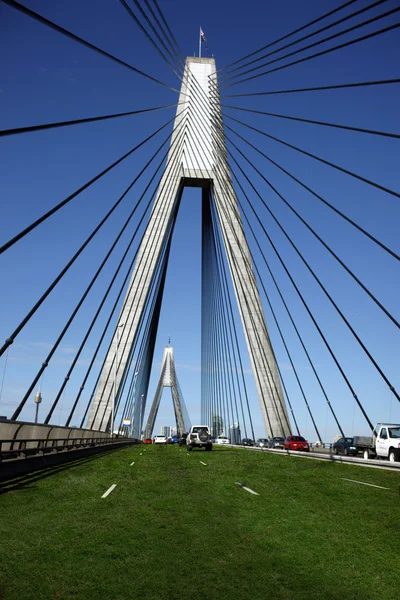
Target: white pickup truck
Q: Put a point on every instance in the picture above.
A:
(384, 443)
(199, 437)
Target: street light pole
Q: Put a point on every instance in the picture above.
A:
(115, 379)
(133, 403)
(38, 399)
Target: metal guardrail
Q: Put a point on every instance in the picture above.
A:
(22, 448)
(314, 454)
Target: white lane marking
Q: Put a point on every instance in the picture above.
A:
(205, 464)
(114, 485)
(363, 483)
(132, 463)
(247, 489)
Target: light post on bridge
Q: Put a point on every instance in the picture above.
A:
(115, 379)
(38, 399)
(140, 415)
(133, 403)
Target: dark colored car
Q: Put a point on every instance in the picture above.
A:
(148, 441)
(276, 442)
(344, 446)
(175, 439)
(296, 442)
(247, 442)
(182, 439)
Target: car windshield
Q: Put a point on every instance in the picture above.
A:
(297, 438)
(263, 440)
(394, 432)
(221, 437)
(348, 440)
(279, 439)
(198, 429)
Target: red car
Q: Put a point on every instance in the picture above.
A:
(148, 441)
(296, 442)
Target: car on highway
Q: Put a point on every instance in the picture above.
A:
(296, 442)
(175, 439)
(221, 440)
(182, 439)
(345, 445)
(148, 441)
(276, 442)
(247, 442)
(160, 439)
(199, 437)
(261, 443)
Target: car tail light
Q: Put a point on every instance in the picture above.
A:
(192, 437)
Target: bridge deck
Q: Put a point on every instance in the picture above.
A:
(174, 527)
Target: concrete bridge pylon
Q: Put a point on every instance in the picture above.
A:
(197, 158)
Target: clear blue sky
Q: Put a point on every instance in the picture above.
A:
(45, 77)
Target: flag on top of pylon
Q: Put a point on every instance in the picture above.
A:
(203, 37)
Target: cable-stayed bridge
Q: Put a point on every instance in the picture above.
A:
(299, 245)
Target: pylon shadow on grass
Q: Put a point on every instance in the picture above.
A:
(19, 482)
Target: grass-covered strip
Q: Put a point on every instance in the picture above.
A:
(174, 528)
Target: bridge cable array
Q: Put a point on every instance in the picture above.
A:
(225, 397)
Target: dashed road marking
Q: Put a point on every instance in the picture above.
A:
(110, 489)
(363, 483)
(132, 463)
(205, 464)
(247, 489)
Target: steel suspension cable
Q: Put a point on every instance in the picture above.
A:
(254, 326)
(318, 196)
(46, 126)
(281, 39)
(50, 288)
(142, 28)
(288, 312)
(236, 345)
(150, 329)
(228, 345)
(315, 322)
(231, 325)
(319, 159)
(315, 89)
(315, 234)
(245, 294)
(328, 50)
(68, 199)
(334, 304)
(263, 357)
(34, 15)
(168, 28)
(103, 300)
(177, 142)
(80, 302)
(305, 37)
(314, 122)
(281, 378)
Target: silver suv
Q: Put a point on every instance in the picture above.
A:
(199, 437)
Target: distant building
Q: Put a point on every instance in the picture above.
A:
(234, 433)
(174, 431)
(166, 430)
(217, 426)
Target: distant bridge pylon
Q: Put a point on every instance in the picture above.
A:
(168, 378)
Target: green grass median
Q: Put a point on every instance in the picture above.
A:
(174, 528)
